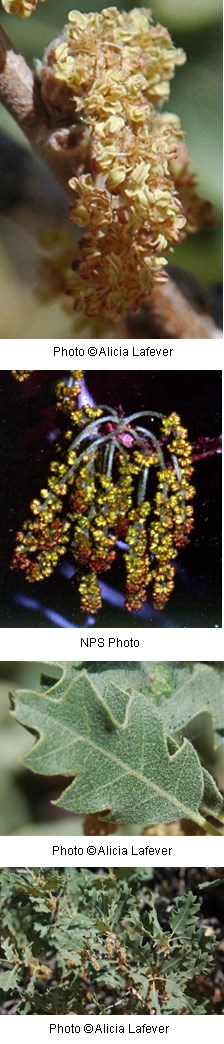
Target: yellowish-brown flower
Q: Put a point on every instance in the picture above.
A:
(24, 8)
(135, 196)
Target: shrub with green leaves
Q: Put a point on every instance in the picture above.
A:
(80, 941)
(140, 743)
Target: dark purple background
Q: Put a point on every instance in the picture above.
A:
(27, 420)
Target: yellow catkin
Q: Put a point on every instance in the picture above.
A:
(138, 198)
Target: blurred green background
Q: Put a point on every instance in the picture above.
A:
(196, 95)
(25, 802)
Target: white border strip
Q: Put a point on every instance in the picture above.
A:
(114, 850)
(109, 354)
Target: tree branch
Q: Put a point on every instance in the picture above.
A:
(18, 90)
(20, 94)
(168, 313)
(167, 305)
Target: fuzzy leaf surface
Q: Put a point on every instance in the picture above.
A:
(115, 746)
(200, 689)
(9, 979)
(179, 692)
(183, 916)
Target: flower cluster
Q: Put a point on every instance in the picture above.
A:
(21, 375)
(134, 196)
(112, 481)
(24, 8)
(137, 558)
(173, 515)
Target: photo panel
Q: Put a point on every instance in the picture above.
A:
(111, 169)
(111, 661)
(104, 748)
(112, 499)
(111, 942)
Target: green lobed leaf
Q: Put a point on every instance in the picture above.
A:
(128, 676)
(9, 979)
(8, 949)
(183, 916)
(199, 689)
(200, 730)
(181, 693)
(155, 1001)
(216, 765)
(212, 802)
(115, 746)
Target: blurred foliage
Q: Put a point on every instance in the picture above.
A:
(194, 14)
(196, 95)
